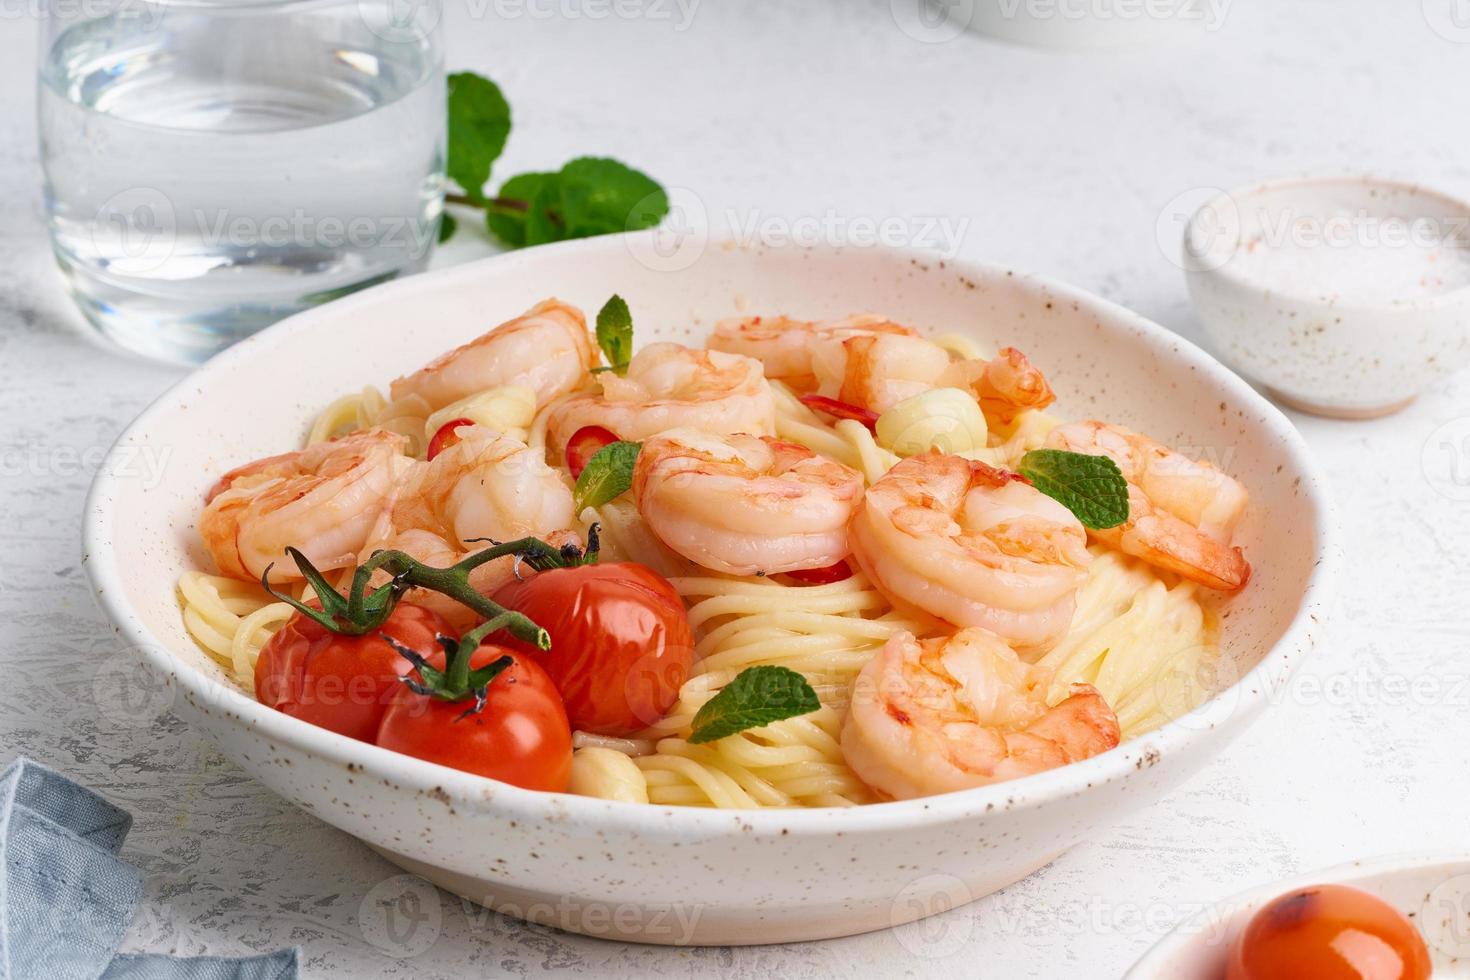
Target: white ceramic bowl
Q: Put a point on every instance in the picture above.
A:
(664, 874)
(1433, 890)
(1346, 296)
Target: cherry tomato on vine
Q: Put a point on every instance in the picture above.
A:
(518, 735)
(338, 682)
(621, 646)
(1329, 932)
(585, 443)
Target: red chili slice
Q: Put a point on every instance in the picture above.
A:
(446, 436)
(823, 576)
(585, 443)
(841, 410)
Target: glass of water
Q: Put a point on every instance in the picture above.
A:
(215, 165)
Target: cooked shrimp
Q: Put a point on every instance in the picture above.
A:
(670, 386)
(936, 716)
(877, 371)
(745, 504)
(548, 349)
(322, 500)
(1006, 385)
(784, 345)
(487, 485)
(973, 545)
(1182, 512)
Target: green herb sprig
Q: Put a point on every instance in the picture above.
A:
(615, 334)
(607, 476)
(756, 697)
(586, 197)
(1091, 487)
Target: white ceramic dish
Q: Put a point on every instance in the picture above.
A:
(1433, 890)
(670, 875)
(1346, 296)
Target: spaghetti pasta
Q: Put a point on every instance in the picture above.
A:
(368, 409)
(1144, 643)
(799, 424)
(231, 621)
(826, 633)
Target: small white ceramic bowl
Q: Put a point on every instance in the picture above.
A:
(1433, 890)
(1345, 296)
(677, 875)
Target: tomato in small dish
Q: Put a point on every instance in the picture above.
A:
(621, 646)
(517, 733)
(585, 443)
(340, 682)
(1329, 932)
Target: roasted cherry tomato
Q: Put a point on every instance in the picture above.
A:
(839, 572)
(585, 443)
(519, 736)
(1329, 932)
(621, 646)
(840, 410)
(342, 683)
(446, 435)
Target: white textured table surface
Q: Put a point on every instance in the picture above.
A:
(770, 112)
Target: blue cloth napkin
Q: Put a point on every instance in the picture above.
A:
(66, 897)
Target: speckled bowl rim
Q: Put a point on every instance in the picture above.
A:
(1239, 195)
(502, 801)
(1191, 932)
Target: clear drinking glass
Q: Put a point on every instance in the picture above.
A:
(215, 165)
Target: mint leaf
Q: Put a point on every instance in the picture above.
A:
(543, 220)
(756, 697)
(447, 226)
(506, 216)
(589, 196)
(479, 123)
(607, 476)
(1092, 487)
(601, 196)
(615, 333)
